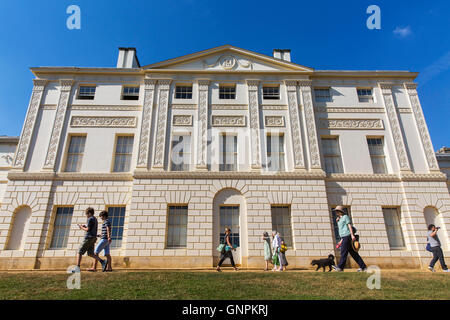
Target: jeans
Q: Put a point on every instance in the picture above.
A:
(227, 254)
(103, 244)
(347, 248)
(438, 255)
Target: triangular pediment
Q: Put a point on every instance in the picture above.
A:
(227, 58)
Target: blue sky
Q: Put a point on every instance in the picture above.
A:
(414, 35)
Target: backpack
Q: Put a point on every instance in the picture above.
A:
(428, 247)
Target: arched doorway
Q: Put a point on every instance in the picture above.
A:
(19, 230)
(229, 210)
(432, 216)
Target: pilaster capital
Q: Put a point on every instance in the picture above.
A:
(203, 84)
(386, 88)
(39, 84)
(66, 84)
(305, 84)
(149, 84)
(164, 84)
(291, 85)
(252, 85)
(411, 88)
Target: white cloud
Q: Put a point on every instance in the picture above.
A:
(402, 32)
(434, 69)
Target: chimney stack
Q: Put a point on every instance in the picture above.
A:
(283, 54)
(127, 58)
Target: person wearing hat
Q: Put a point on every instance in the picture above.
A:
(348, 243)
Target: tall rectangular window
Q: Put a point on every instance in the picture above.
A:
(181, 153)
(86, 92)
(116, 216)
(227, 92)
(271, 93)
(335, 225)
(61, 227)
(228, 153)
(275, 152)
(177, 227)
(183, 92)
(376, 151)
(332, 155)
(75, 153)
(393, 228)
(322, 95)
(365, 95)
(124, 151)
(130, 93)
(281, 222)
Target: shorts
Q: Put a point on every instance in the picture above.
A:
(102, 245)
(87, 245)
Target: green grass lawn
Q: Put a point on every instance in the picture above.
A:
(226, 285)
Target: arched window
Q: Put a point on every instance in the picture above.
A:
(432, 216)
(19, 231)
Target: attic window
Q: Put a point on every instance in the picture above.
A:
(130, 93)
(86, 92)
(271, 93)
(227, 92)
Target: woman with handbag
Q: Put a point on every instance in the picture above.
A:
(267, 250)
(227, 251)
(282, 255)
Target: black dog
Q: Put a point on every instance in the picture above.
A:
(322, 263)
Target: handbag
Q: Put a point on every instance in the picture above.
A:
(428, 247)
(220, 247)
(275, 260)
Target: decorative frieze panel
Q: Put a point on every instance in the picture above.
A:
(202, 138)
(163, 103)
(229, 107)
(305, 89)
(228, 121)
(182, 120)
(61, 110)
(411, 88)
(274, 121)
(254, 122)
(103, 122)
(184, 106)
(28, 128)
(144, 140)
(348, 110)
(291, 87)
(274, 107)
(386, 90)
(342, 124)
(105, 107)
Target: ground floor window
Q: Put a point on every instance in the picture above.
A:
(281, 222)
(61, 227)
(177, 227)
(393, 228)
(116, 215)
(229, 218)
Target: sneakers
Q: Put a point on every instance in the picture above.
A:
(361, 270)
(431, 269)
(337, 269)
(104, 264)
(446, 270)
(76, 269)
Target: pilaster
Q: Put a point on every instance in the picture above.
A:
(291, 88)
(254, 123)
(202, 121)
(161, 126)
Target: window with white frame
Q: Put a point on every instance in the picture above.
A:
(332, 155)
(183, 92)
(322, 95)
(177, 220)
(123, 153)
(271, 92)
(86, 93)
(365, 95)
(275, 152)
(116, 216)
(376, 151)
(228, 152)
(393, 228)
(75, 153)
(181, 152)
(227, 92)
(61, 227)
(130, 93)
(281, 222)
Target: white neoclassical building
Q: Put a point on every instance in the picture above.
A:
(179, 149)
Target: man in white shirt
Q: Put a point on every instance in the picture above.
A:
(276, 245)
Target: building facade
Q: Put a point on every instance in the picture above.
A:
(180, 149)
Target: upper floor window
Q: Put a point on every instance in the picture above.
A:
(130, 93)
(181, 153)
(123, 154)
(75, 153)
(322, 95)
(227, 92)
(86, 92)
(365, 95)
(275, 152)
(183, 92)
(376, 151)
(332, 155)
(271, 93)
(228, 153)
